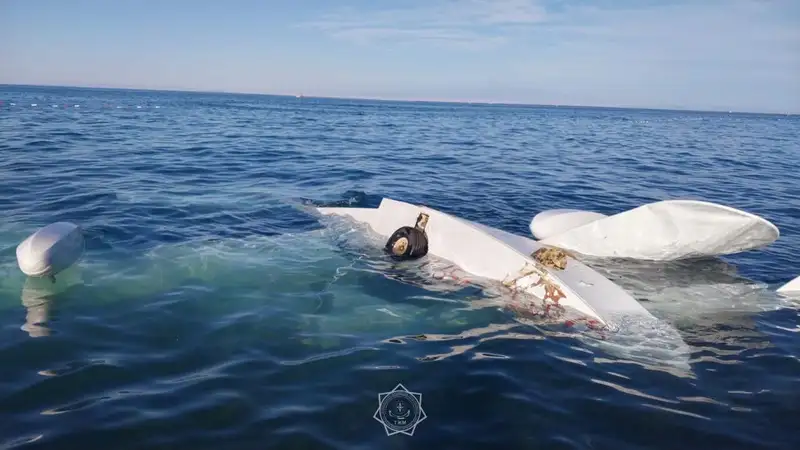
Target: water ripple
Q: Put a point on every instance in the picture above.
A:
(211, 310)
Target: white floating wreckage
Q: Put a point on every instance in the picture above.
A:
(547, 268)
(668, 230)
(519, 263)
(50, 250)
(556, 221)
(792, 287)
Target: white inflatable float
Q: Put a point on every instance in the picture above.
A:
(662, 231)
(520, 263)
(50, 250)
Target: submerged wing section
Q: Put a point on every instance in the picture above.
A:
(792, 286)
(494, 254)
(604, 296)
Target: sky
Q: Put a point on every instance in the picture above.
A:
(741, 55)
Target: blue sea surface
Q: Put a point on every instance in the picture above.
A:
(213, 309)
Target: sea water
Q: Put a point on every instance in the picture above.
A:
(213, 309)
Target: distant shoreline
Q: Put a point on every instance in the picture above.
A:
(390, 100)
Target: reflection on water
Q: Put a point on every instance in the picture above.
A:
(38, 295)
(36, 317)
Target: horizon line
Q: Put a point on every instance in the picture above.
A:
(397, 100)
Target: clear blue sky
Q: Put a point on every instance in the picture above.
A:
(701, 54)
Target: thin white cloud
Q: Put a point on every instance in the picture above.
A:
(446, 22)
(721, 54)
(744, 35)
(449, 37)
(743, 55)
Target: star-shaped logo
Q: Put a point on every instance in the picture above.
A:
(400, 411)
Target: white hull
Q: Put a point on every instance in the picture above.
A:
(497, 255)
